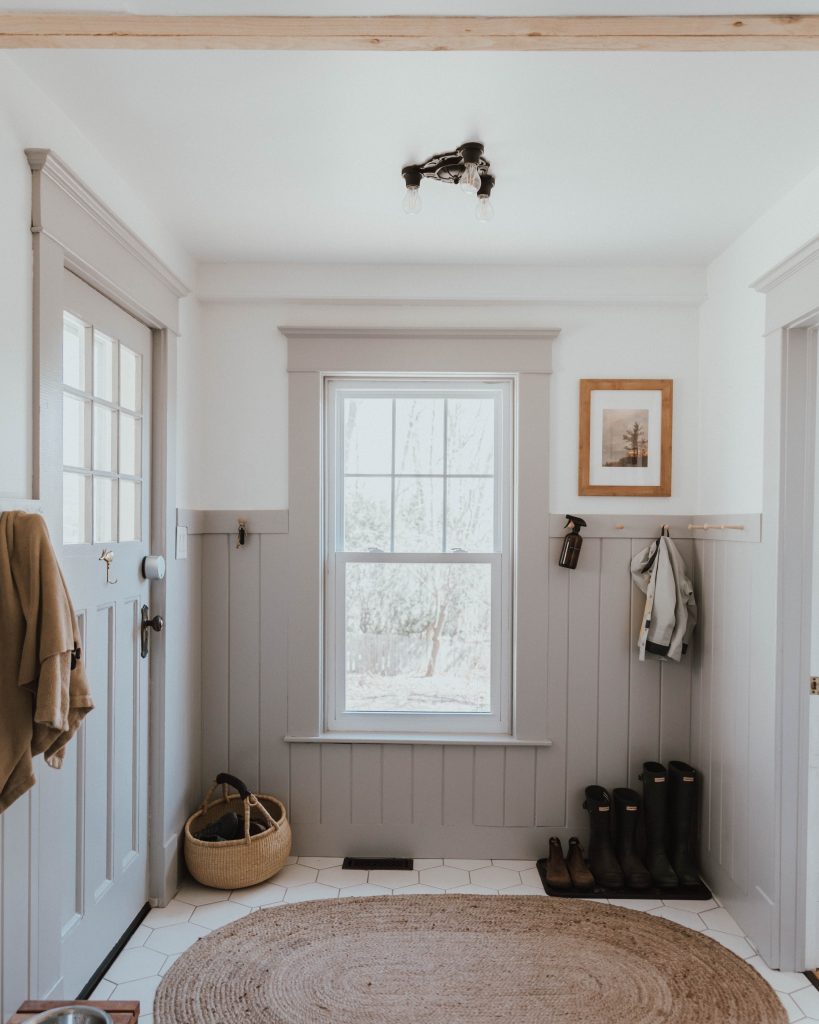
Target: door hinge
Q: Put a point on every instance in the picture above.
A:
(814, 684)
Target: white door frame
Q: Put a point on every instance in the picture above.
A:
(792, 317)
(73, 229)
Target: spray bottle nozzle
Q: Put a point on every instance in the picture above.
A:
(576, 523)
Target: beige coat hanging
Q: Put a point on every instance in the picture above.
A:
(44, 691)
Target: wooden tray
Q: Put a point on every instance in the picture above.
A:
(681, 892)
(124, 1011)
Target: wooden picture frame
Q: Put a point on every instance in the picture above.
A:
(625, 440)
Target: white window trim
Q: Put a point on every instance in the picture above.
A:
(499, 721)
(316, 353)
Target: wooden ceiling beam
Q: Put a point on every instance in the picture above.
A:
(244, 32)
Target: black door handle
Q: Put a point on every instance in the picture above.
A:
(157, 624)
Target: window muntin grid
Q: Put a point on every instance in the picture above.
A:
(102, 436)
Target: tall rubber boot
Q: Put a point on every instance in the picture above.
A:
(602, 859)
(627, 811)
(683, 780)
(655, 815)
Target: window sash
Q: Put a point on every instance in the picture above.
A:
(498, 720)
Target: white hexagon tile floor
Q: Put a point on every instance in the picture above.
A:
(169, 931)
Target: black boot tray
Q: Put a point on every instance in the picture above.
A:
(680, 892)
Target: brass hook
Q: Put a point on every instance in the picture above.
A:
(108, 558)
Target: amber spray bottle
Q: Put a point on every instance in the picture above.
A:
(572, 543)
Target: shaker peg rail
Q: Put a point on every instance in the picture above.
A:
(715, 526)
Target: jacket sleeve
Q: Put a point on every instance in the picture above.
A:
(51, 664)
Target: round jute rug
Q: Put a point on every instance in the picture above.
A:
(460, 959)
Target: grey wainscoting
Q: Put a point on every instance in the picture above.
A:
(607, 711)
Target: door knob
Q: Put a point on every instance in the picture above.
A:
(156, 623)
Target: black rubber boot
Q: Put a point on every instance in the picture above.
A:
(627, 811)
(602, 860)
(655, 815)
(683, 779)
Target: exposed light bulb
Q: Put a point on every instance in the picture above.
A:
(470, 179)
(412, 200)
(484, 211)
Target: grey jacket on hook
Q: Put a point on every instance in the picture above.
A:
(671, 610)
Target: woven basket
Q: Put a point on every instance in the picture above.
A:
(237, 863)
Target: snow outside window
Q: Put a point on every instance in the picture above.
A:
(419, 555)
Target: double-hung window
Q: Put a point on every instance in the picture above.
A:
(418, 600)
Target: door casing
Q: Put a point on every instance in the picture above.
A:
(73, 229)
(792, 322)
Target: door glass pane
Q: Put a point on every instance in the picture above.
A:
(130, 444)
(75, 432)
(367, 513)
(75, 508)
(470, 514)
(419, 435)
(470, 437)
(105, 357)
(104, 446)
(130, 508)
(368, 435)
(418, 637)
(419, 514)
(74, 353)
(103, 509)
(130, 379)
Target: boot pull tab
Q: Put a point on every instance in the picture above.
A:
(631, 807)
(688, 778)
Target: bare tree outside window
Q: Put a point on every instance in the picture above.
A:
(418, 477)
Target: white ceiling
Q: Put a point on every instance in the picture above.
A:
(599, 158)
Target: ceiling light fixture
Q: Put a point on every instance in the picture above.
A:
(466, 167)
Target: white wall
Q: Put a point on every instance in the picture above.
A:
(237, 414)
(28, 118)
(732, 354)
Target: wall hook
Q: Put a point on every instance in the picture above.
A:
(240, 541)
(108, 558)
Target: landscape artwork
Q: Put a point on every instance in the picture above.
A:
(625, 437)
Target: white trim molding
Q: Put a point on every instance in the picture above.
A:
(791, 288)
(94, 237)
(451, 284)
(414, 739)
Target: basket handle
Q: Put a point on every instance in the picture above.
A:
(257, 803)
(224, 779)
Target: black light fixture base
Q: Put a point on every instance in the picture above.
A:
(449, 167)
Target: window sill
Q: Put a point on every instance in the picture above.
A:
(443, 739)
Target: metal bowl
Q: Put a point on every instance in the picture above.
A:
(72, 1015)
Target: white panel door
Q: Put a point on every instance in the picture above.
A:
(93, 849)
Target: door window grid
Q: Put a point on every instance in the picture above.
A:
(481, 568)
(102, 436)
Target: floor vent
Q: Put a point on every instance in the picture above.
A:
(378, 863)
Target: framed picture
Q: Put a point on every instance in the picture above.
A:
(625, 437)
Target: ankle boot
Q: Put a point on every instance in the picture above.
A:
(655, 815)
(683, 779)
(557, 874)
(581, 877)
(627, 811)
(602, 861)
